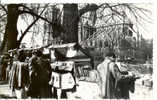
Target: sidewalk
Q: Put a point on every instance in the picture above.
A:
(88, 91)
(5, 92)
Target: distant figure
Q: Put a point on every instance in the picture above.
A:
(4, 63)
(19, 76)
(109, 76)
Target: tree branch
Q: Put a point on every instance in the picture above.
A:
(36, 15)
(25, 32)
(2, 16)
(3, 7)
(30, 11)
(25, 7)
(87, 8)
(111, 8)
(91, 7)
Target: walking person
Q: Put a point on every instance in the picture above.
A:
(109, 76)
(4, 63)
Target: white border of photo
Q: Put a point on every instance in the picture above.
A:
(110, 1)
(76, 1)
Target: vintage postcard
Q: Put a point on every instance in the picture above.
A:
(77, 50)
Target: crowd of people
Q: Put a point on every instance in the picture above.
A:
(30, 71)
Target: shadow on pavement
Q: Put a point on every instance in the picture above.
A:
(5, 96)
(3, 82)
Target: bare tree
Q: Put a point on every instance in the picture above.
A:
(13, 12)
(68, 29)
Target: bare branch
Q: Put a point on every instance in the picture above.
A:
(89, 7)
(36, 15)
(3, 7)
(3, 16)
(25, 7)
(25, 32)
(111, 8)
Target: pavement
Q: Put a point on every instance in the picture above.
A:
(5, 92)
(88, 90)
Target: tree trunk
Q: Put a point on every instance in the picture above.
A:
(11, 33)
(70, 23)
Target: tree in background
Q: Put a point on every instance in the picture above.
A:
(145, 51)
(12, 13)
(68, 28)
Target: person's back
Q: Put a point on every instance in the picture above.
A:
(107, 81)
(109, 76)
(4, 64)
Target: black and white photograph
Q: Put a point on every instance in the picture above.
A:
(76, 51)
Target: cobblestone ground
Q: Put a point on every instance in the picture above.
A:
(88, 90)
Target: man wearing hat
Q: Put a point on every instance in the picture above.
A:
(109, 76)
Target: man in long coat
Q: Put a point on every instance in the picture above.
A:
(109, 76)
